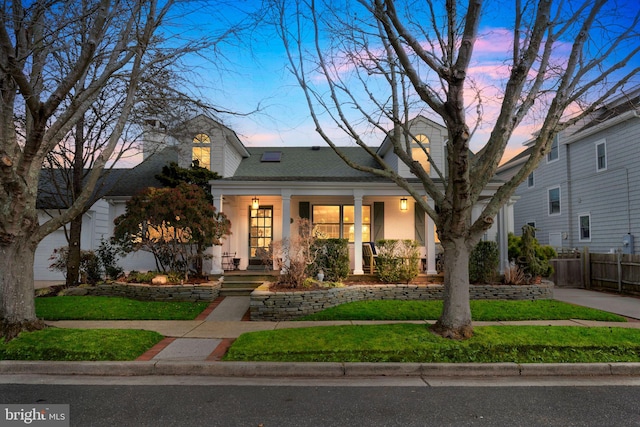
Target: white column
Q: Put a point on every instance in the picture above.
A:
(431, 243)
(286, 224)
(216, 250)
(357, 233)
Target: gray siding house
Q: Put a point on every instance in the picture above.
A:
(586, 193)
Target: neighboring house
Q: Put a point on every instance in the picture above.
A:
(585, 193)
(264, 191)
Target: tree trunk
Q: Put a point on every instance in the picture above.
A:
(73, 255)
(75, 232)
(17, 306)
(455, 321)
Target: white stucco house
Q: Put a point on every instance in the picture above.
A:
(265, 190)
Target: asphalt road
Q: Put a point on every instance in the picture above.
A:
(191, 401)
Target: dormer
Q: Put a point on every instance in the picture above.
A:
(213, 145)
(426, 137)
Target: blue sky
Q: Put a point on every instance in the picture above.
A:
(254, 75)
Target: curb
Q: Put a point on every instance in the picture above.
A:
(318, 369)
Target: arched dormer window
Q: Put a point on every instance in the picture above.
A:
(418, 147)
(201, 151)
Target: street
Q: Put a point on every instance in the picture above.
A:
(202, 401)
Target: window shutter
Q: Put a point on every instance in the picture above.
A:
(419, 224)
(378, 221)
(304, 210)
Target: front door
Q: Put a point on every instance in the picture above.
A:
(260, 233)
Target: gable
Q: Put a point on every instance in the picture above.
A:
(421, 128)
(216, 146)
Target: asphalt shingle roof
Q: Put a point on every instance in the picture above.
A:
(304, 164)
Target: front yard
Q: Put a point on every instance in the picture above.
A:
(380, 343)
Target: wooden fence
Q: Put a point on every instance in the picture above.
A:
(611, 272)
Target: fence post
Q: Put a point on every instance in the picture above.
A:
(619, 260)
(586, 268)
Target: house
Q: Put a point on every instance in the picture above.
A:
(585, 193)
(265, 190)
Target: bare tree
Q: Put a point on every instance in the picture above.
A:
(43, 100)
(371, 65)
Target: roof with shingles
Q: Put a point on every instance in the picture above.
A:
(304, 164)
(54, 191)
(132, 181)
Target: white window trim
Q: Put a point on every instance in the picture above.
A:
(557, 142)
(549, 200)
(532, 174)
(580, 238)
(602, 142)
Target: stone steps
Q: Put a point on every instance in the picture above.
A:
(242, 284)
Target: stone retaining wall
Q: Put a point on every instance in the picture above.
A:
(202, 292)
(267, 305)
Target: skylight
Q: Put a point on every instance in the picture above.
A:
(271, 156)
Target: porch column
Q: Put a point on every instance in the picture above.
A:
(503, 233)
(431, 243)
(357, 232)
(216, 250)
(286, 223)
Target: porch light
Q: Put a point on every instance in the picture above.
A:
(403, 204)
(255, 203)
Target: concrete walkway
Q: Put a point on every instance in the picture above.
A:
(613, 303)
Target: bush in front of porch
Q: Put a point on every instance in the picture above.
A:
(397, 261)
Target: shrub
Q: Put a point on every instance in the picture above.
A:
(174, 224)
(532, 257)
(90, 269)
(108, 254)
(398, 260)
(332, 257)
(139, 277)
(514, 275)
(484, 262)
(298, 252)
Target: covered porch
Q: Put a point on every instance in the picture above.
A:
(265, 212)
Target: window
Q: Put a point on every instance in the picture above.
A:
(554, 201)
(419, 150)
(530, 180)
(553, 154)
(337, 221)
(584, 221)
(201, 152)
(601, 156)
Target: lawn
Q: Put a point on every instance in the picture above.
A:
(415, 343)
(114, 308)
(481, 310)
(79, 344)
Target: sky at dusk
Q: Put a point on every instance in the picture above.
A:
(253, 75)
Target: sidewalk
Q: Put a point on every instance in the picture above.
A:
(192, 347)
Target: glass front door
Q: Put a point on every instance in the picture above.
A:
(260, 232)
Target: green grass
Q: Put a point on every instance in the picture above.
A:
(114, 308)
(415, 343)
(481, 310)
(79, 344)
